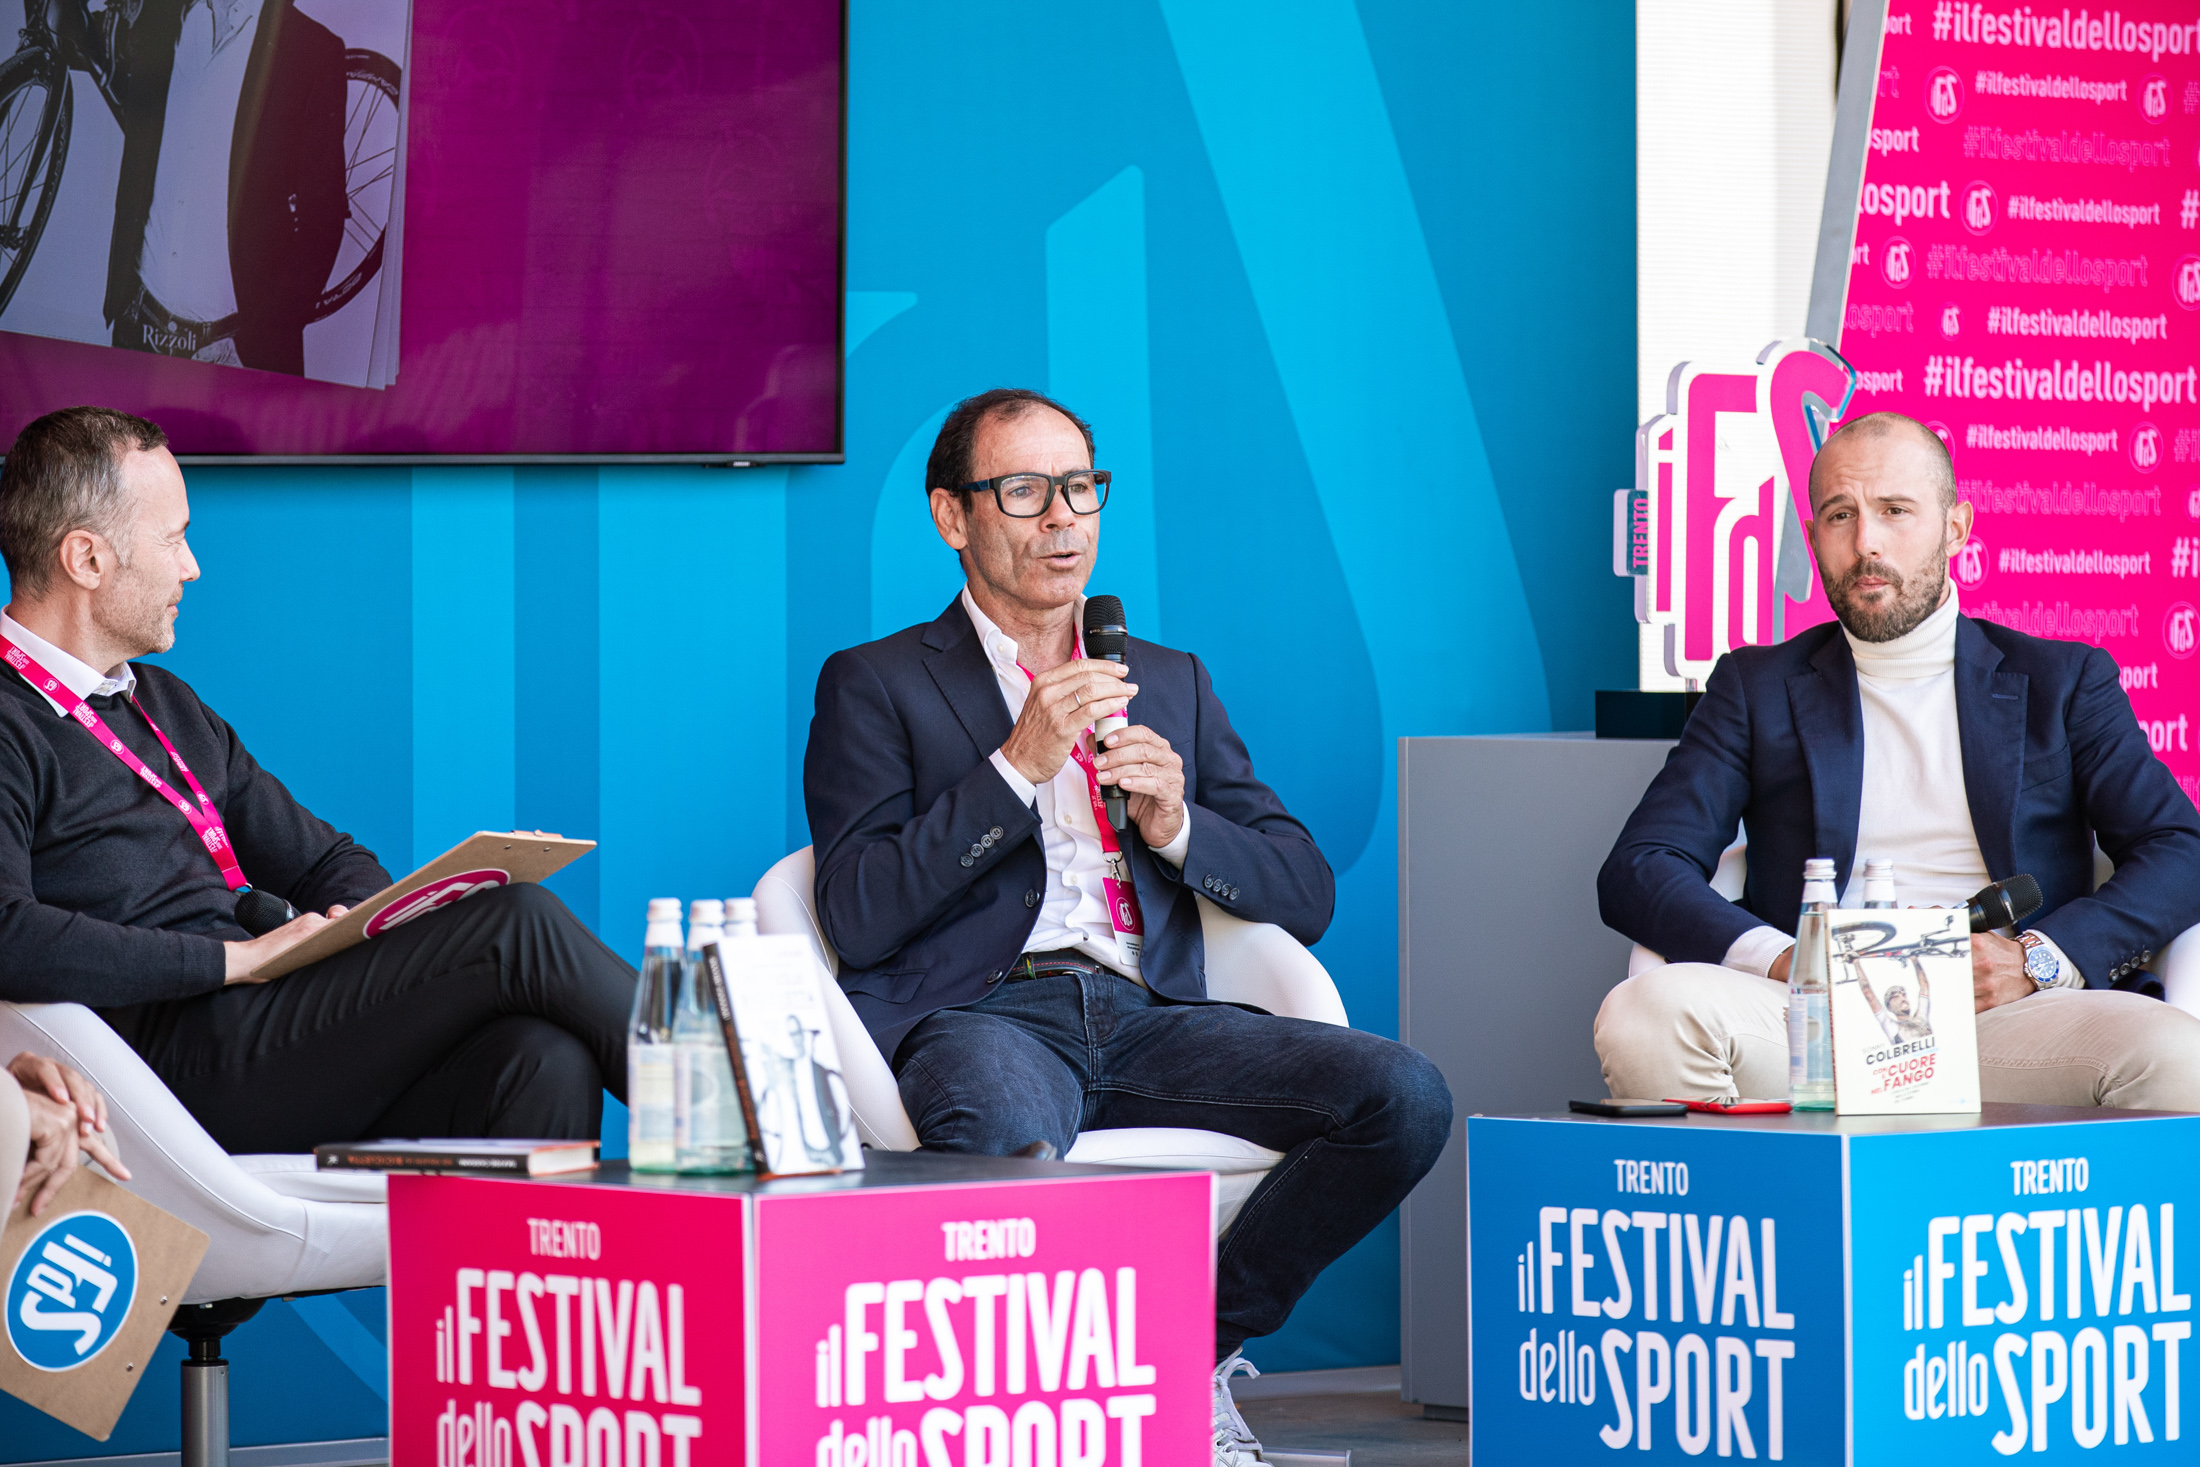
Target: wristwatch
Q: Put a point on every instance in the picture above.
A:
(2040, 963)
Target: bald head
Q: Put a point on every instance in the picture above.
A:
(1930, 464)
(1884, 520)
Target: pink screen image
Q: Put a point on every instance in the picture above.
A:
(492, 229)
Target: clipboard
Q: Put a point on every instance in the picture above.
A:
(91, 1287)
(482, 862)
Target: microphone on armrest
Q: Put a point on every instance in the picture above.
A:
(2005, 903)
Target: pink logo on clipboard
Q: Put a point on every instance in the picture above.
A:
(435, 894)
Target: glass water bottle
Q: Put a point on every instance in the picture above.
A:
(711, 1138)
(1879, 884)
(649, 1046)
(1810, 993)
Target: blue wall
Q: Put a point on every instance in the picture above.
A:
(1349, 297)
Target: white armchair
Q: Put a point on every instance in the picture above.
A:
(276, 1225)
(1255, 963)
(2177, 964)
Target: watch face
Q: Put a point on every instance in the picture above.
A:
(2039, 964)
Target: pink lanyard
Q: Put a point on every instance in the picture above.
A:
(204, 818)
(1122, 897)
(1092, 773)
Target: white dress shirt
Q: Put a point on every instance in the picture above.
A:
(1075, 911)
(74, 674)
(1915, 810)
(185, 263)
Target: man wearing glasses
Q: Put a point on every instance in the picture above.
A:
(1028, 973)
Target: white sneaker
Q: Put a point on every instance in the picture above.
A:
(1234, 1442)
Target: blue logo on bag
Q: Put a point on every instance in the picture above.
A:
(71, 1290)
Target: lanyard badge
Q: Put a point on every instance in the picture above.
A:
(257, 911)
(1121, 893)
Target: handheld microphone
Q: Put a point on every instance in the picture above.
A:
(2005, 903)
(261, 912)
(1106, 637)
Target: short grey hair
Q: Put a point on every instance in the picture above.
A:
(64, 474)
(1881, 425)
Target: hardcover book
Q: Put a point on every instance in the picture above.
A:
(472, 1157)
(1905, 1038)
(784, 1059)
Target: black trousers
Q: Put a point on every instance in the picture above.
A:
(500, 1015)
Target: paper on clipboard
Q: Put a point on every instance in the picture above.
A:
(481, 862)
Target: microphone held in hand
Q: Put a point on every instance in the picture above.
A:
(2005, 903)
(1107, 638)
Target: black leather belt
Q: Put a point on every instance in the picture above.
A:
(1061, 960)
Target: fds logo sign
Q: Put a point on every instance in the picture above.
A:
(1722, 477)
(71, 1291)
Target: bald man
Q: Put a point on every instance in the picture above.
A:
(1965, 752)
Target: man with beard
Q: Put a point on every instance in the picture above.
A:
(1963, 750)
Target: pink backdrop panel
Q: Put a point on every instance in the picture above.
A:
(1066, 1322)
(2025, 276)
(538, 1325)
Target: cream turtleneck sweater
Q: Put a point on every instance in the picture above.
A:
(1915, 810)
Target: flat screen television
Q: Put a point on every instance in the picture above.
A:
(396, 230)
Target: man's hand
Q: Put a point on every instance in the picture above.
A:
(1997, 971)
(1778, 972)
(240, 958)
(1063, 702)
(1152, 774)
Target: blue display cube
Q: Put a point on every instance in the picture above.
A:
(1821, 1289)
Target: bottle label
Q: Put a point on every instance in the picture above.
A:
(707, 1122)
(649, 1095)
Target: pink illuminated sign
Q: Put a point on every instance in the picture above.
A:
(1722, 476)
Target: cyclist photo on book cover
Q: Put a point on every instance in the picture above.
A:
(800, 1102)
(217, 180)
(1902, 1022)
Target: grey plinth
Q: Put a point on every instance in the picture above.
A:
(1501, 965)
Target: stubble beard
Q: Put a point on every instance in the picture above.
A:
(1914, 598)
(137, 616)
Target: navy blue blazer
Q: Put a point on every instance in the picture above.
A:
(2052, 759)
(929, 868)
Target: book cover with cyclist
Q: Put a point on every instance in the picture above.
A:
(1905, 1039)
(215, 180)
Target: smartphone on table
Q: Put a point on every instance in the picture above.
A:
(1628, 1108)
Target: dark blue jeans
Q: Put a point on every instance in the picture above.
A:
(1358, 1118)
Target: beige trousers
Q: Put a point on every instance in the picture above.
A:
(15, 1139)
(1697, 1030)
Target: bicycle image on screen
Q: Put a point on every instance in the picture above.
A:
(242, 206)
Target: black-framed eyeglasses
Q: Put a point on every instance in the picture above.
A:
(1027, 496)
